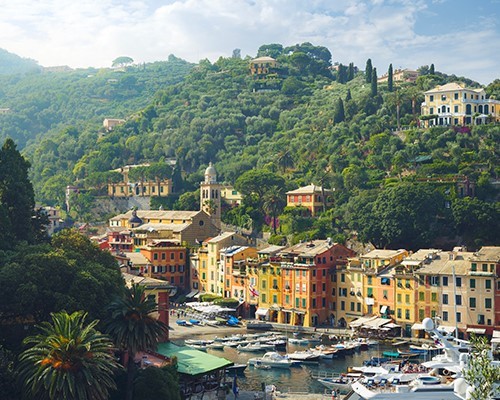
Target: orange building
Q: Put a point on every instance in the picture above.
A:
(307, 274)
(167, 261)
(313, 197)
(233, 261)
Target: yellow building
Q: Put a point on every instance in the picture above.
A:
(160, 188)
(406, 288)
(190, 227)
(442, 289)
(214, 281)
(400, 75)
(262, 66)
(231, 196)
(378, 287)
(313, 197)
(454, 104)
(349, 293)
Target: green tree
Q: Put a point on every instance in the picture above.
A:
(350, 72)
(70, 274)
(273, 50)
(339, 111)
(122, 61)
(274, 202)
(368, 70)
(406, 216)
(17, 199)
(431, 70)
(481, 374)
(390, 82)
(476, 221)
(258, 181)
(157, 383)
(133, 327)
(68, 360)
(374, 83)
(188, 201)
(341, 74)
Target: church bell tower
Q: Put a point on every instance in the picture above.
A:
(210, 192)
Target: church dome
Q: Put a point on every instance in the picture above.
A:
(134, 219)
(210, 174)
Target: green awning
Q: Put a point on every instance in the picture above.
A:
(191, 361)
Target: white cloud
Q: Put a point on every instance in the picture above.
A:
(93, 33)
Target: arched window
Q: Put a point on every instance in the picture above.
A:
(468, 109)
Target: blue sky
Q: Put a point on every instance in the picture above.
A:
(459, 36)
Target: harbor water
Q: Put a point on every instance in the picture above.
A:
(295, 379)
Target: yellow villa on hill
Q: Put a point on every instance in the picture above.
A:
(454, 104)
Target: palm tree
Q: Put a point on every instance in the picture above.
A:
(69, 360)
(274, 203)
(134, 328)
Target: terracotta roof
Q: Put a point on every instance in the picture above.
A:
(446, 261)
(381, 253)
(312, 248)
(487, 253)
(162, 227)
(220, 237)
(158, 214)
(447, 87)
(136, 258)
(312, 188)
(263, 59)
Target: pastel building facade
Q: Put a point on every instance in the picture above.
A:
(312, 197)
(455, 104)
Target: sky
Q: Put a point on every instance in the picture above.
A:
(460, 37)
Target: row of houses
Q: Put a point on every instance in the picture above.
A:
(324, 283)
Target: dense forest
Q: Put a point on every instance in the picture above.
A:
(395, 183)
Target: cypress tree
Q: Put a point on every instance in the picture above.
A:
(350, 72)
(368, 70)
(339, 112)
(348, 95)
(374, 82)
(389, 78)
(431, 69)
(341, 74)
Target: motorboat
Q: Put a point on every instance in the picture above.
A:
(215, 346)
(299, 341)
(190, 342)
(420, 388)
(255, 347)
(304, 356)
(274, 360)
(342, 382)
(277, 343)
(391, 385)
(325, 352)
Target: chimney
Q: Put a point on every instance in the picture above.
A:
(163, 308)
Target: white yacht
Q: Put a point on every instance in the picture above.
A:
(273, 360)
(423, 386)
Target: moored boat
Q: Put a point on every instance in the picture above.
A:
(304, 356)
(342, 382)
(273, 360)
